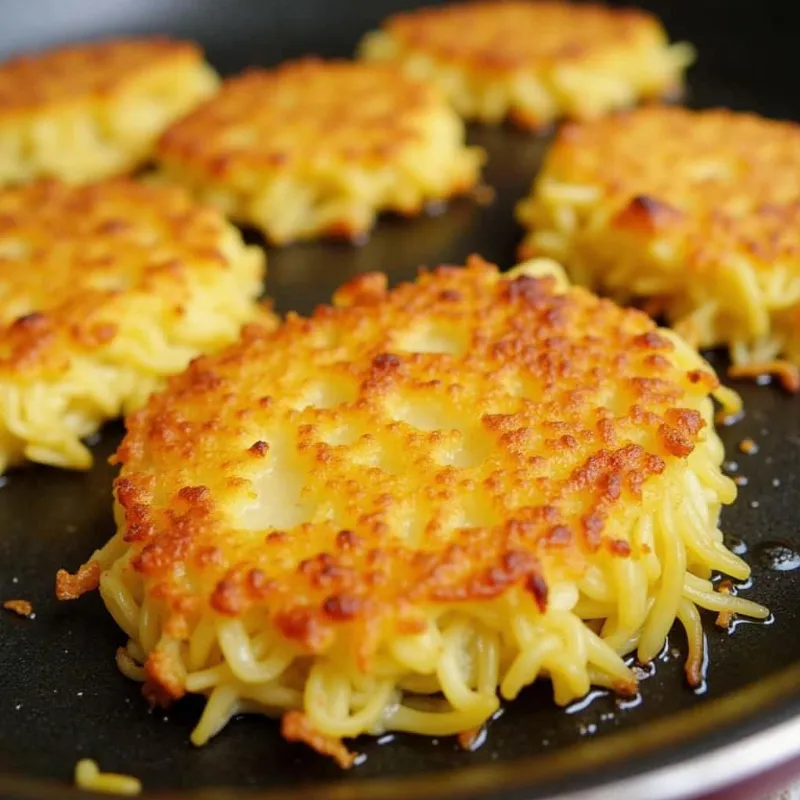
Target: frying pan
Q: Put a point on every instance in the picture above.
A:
(61, 697)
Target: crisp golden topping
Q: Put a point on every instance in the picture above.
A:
(523, 35)
(320, 147)
(75, 264)
(697, 211)
(436, 443)
(304, 115)
(86, 71)
(87, 112)
(533, 62)
(725, 182)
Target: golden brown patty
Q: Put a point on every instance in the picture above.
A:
(699, 211)
(315, 148)
(90, 111)
(533, 61)
(105, 290)
(417, 491)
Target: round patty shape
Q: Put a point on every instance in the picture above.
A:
(698, 211)
(90, 111)
(444, 489)
(534, 62)
(318, 148)
(106, 289)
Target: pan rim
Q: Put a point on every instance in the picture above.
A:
(711, 746)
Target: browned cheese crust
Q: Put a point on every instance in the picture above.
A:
(699, 209)
(318, 147)
(437, 443)
(74, 262)
(522, 35)
(90, 111)
(104, 290)
(84, 73)
(533, 61)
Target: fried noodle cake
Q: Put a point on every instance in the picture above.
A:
(384, 516)
(699, 212)
(317, 148)
(534, 62)
(104, 291)
(90, 111)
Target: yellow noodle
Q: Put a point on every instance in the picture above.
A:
(89, 777)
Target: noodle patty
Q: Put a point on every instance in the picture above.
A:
(319, 148)
(445, 489)
(92, 111)
(697, 211)
(104, 290)
(534, 62)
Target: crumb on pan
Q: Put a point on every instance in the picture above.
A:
(319, 148)
(748, 447)
(699, 211)
(90, 111)
(533, 62)
(140, 280)
(21, 607)
(89, 777)
(389, 515)
(86, 579)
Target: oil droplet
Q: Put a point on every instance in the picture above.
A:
(584, 702)
(736, 545)
(721, 418)
(779, 556)
(473, 740)
(730, 466)
(632, 702)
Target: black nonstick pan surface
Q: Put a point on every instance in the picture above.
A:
(61, 696)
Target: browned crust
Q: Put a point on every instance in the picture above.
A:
(501, 37)
(84, 72)
(716, 184)
(349, 112)
(559, 466)
(95, 244)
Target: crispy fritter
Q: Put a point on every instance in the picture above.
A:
(301, 516)
(391, 421)
(85, 112)
(104, 290)
(698, 210)
(319, 148)
(534, 62)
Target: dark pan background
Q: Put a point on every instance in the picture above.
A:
(61, 697)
